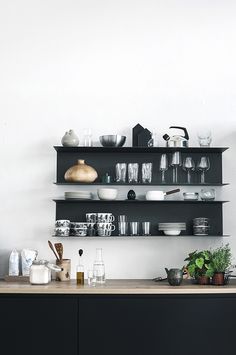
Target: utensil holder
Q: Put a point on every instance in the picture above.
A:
(65, 265)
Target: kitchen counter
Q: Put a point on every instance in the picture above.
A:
(118, 287)
(122, 317)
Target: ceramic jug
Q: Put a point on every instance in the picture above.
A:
(70, 139)
(174, 276)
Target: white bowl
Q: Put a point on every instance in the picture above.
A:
(172, 232)
(107, 194)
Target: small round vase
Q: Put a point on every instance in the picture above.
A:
(70, 139)
(81, 173)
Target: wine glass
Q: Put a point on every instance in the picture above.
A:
(176, 161)
(203, 165)
(188, 165)
(163, 167)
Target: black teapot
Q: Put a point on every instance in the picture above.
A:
(174, 276)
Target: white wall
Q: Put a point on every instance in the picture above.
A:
(108, 65)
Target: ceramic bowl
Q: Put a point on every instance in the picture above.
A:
(62, 223)
(107, 194)
(172, 232)
(62, 231)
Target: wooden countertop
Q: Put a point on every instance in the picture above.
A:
(129, 287)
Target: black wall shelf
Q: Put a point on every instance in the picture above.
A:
(137, 201)
(104, 159)
(139, 150)
(139, 184)
(146, 237)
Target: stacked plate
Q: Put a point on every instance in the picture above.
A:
(172, 228)
(79, 195)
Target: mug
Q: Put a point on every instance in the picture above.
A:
(91, 217)
(105, 217)
(106, 225)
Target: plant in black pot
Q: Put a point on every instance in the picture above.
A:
(221, 261)
(200, 266)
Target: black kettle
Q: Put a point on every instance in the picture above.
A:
(177, 141)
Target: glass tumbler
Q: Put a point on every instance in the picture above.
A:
(123, 228)
(133, 173)
(147, 173)
(134, 228)
(121, 171)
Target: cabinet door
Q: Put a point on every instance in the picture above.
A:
(157, 325)
(39, 325)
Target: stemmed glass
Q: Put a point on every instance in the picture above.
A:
(203, 165)
(188, 165)
(176, 161)
(163, 167)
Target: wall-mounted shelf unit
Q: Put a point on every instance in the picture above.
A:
(105, 159)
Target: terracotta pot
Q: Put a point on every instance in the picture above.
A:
(203, 280)
(218, 279)
(81, 173)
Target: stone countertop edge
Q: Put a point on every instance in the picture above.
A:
(115, 287)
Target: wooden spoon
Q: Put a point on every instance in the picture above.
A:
(52, 248)
(59, 249)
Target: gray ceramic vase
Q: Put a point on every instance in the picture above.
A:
(70, 139)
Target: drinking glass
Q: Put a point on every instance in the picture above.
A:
(88, 138)
(163, 167)
(134, 228)
(91, 278)
(133, 173)
(146, 228)
(147, 173)
(121, 170)
(204, 138)
(176, 161)
(188, 165)
(123, 228)
(203, 165)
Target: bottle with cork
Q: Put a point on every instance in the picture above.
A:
(80, 269)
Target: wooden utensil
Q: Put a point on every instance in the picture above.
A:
(52, 248)
(59, 249)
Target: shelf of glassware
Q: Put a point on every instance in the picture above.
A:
(105, 160)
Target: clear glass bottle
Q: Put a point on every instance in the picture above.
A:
(80, 270)
(99, 267)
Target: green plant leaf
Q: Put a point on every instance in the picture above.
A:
(199, 262)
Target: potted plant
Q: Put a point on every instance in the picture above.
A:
(199, 266)
(221, 261)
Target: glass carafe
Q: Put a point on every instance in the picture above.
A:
(99, 267)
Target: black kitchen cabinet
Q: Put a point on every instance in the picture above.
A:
(118, 324)
(157, 325)
(39, 325)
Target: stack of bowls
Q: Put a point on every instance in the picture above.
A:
(62, 228)
(172, 228)
(201, 226)
(78, 195)
(78, 229)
